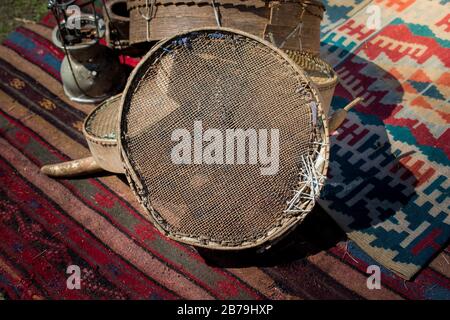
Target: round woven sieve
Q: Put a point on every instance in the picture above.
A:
(100, 129)
(320, 72)
(226, 79)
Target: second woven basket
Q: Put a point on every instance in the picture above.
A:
(293, 25)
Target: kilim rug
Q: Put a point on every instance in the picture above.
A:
(389, 186)
(47, 225)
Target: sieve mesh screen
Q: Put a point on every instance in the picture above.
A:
(226, 80)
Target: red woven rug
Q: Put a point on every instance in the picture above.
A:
(47, 225)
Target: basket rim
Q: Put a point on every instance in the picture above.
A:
(136, 185)
(90, 135)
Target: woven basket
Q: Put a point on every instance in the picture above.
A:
(272, 20)
(117, 20)
(295, 25)
(100, 130)
(320, 72)
(173, 16)
(220, 206)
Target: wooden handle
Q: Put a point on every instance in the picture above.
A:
(72, 168)
(339, 116)
(353, 104)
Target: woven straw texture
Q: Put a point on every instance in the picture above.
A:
(97, 224)
(226, 80)
(167, 19)
(295, 25)
(320, 72)
(278, 22)
(102, 123)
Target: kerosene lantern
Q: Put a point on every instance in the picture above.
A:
(90, 72)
